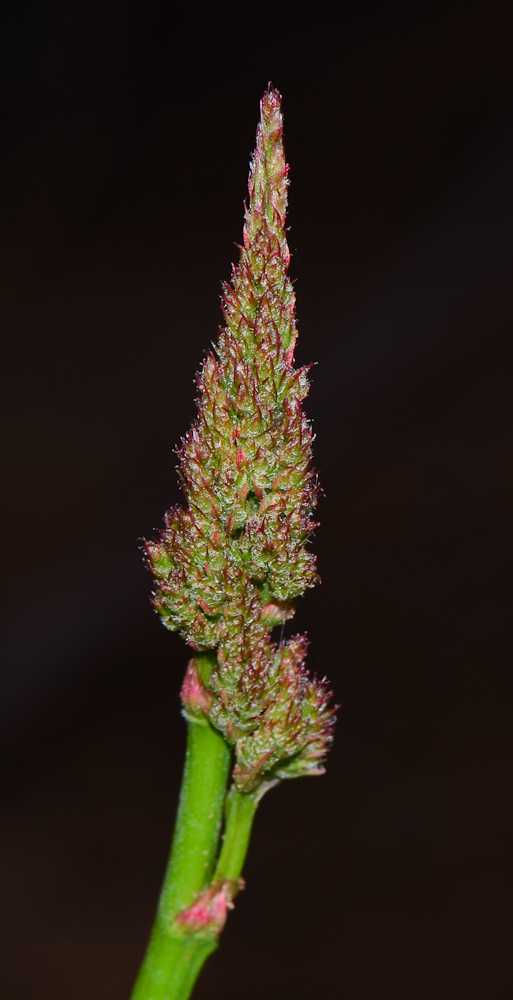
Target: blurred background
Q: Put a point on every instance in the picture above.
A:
(126, 130)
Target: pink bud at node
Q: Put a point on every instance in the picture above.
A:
(195, 697)
(210, 910)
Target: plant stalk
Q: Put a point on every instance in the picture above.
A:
(174, 957)
(240, 812)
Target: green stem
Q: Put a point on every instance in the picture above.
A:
(240, 812)
(174, 958)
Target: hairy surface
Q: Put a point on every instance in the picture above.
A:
(231, 562)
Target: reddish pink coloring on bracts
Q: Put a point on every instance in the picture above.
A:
(229, 565)
(210, 909)
(195, 696)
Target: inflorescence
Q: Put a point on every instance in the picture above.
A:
(229, 565)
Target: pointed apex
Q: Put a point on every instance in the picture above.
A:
(268, 181)
(272, 97)
(271, 119)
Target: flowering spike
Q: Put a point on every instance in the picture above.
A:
(229, 565)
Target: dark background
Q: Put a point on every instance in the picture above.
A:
(126, 130)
